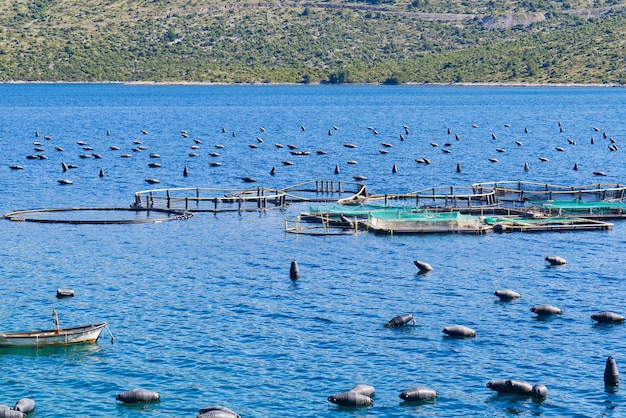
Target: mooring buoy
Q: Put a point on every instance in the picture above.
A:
(294, 270)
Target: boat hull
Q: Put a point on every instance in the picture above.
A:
(64, 336)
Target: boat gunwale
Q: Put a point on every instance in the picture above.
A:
(52, 332)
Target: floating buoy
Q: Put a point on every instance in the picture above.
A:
(156, 165)
(348, 145)
(215, 164)
(555, 260)
(493, 136)
(525, 130)
(599, 173)
(422, 266)
(493, 160)
(418, 394)
(273, 171)
(294, 270)
(152, 181)
(65, 181)
(366, 390)
(400, 320)
(97, 156)
(101, 173)
(394, 169)
(545, 310)
(607, 317)
(359, 178)
(16, 167)
(593, 141)
(426, 161)
(459, 331)
(65, 293)
(286, 162)
(185, 171)
(401, 137)
(500, 150)
(248, 179)
(217, 412)
(6, 412)
(336, 169)
(539, 391)
(543, 159)
(320, 152)
(434, 144)
(138, 396)
(457, 137)
(519, 143)
(350, 399)
(507, 294)
(25, 405)
(458, 167)
(611, 374)
(575, 166)
(517, 387)
(143, 131)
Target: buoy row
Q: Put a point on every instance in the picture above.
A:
(21, 408)
(518, 387)
(362, 395)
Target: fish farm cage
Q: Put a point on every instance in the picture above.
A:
(200, 199)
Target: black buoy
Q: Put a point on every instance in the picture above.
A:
(273, 171)
(394, 169)
(294, 270)
(526, 167)
(336, 169)
(138, 396)
(458, 167)
(185, 171)
(611, 375)
(101, 174)
(108, 133)
(576, 166)
(65, 167)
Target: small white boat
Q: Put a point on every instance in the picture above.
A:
(57, 336)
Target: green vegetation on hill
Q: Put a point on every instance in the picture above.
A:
(333, 41)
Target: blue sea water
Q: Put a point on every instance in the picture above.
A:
(203, 310)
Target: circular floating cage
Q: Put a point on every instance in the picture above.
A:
(523, 191)
(97, 216)
(435, 198)
(203, 199)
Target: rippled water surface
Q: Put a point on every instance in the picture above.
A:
(203, 310)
